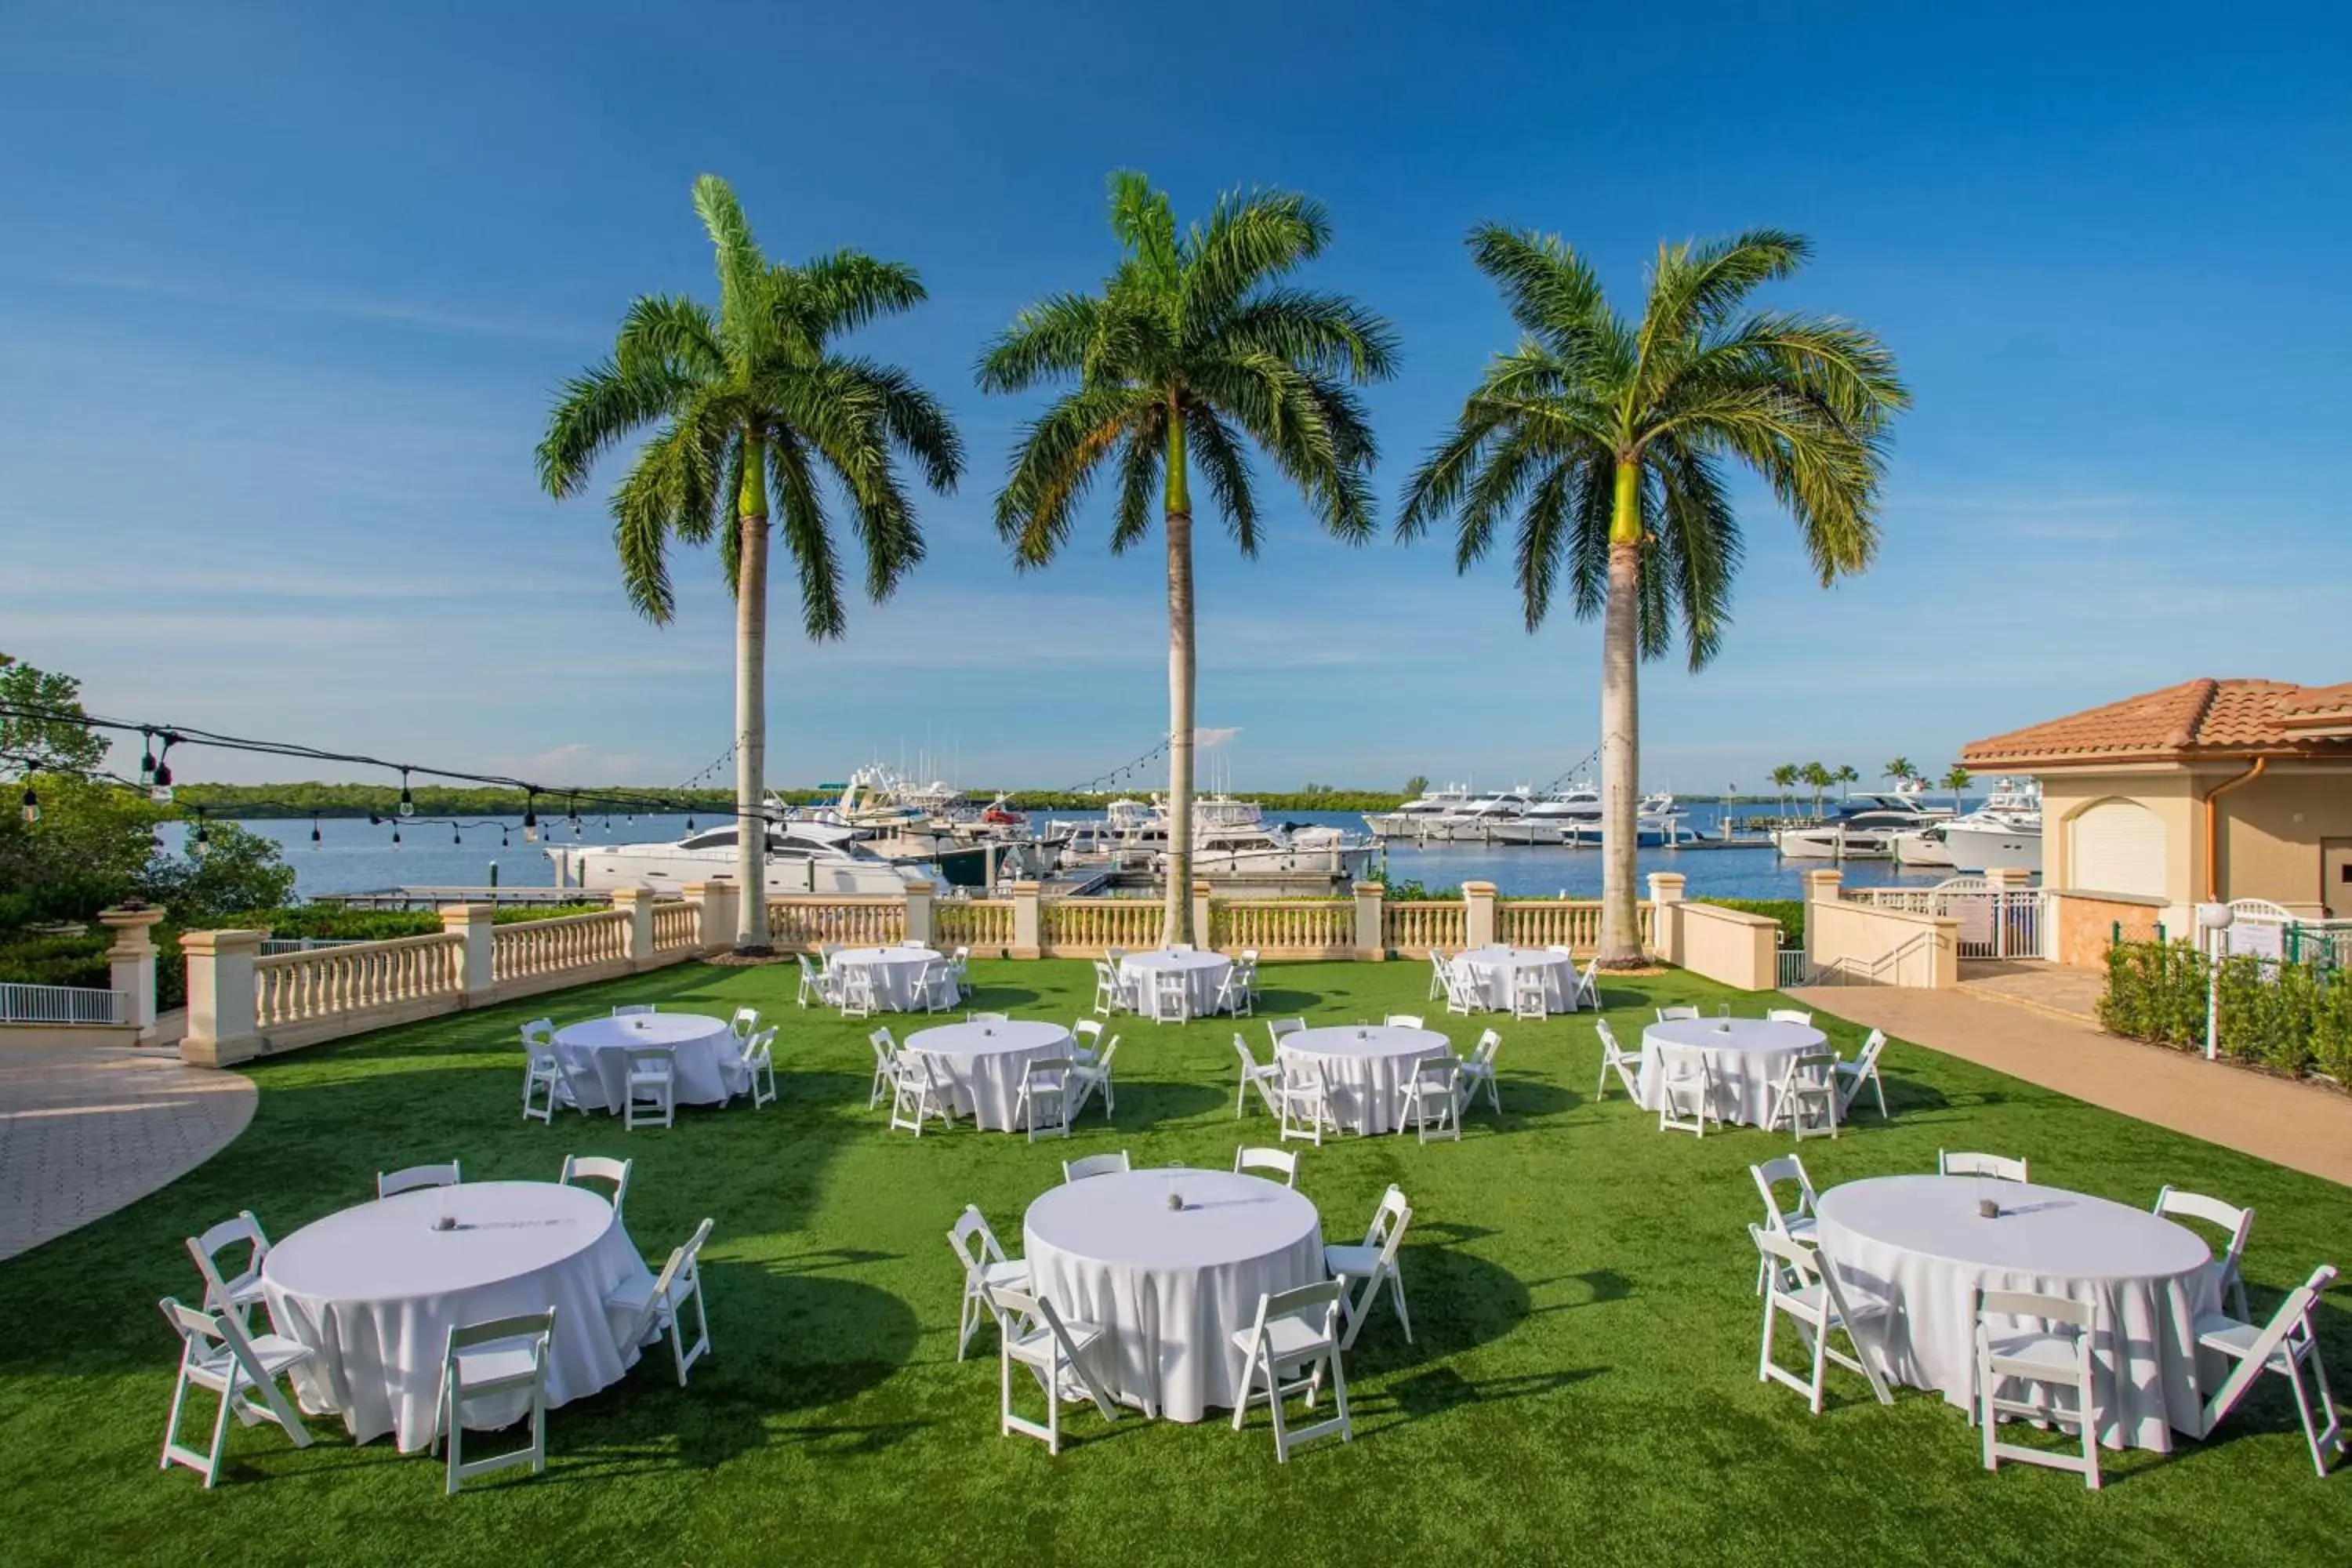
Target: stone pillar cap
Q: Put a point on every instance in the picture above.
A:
(131, 917)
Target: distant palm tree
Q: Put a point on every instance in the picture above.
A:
(1784, 778)
(1955, 779)
(1843, 776)
(1818, 778)
(1193, 349)
(746, 403)
(1607, 440)
(1900, 770)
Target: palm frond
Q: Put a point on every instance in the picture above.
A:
(1249, 238)
(1145, 224)
(740, 266)
(596, 412)
(1053, 465)
(1143, 457)
(1322, 334)
(806, 536)
(1700, 547)
(1049, 339)
(1225, 463)
(1555, 297)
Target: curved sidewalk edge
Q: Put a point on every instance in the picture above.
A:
(2305, 1127)
(84, 1132)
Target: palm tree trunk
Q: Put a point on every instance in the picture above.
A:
(1177, 926)
(1621, 727)
(751, 704)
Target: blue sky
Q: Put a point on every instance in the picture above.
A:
(285, 291)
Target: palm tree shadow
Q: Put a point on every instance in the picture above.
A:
(1442, 1388)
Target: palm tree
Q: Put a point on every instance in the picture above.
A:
(1900, 770)
(1817, 778)
(1844, 776)
(1607, 440)
(1194, 347)
(748, 402)
(1784, 778)
(1955, 779)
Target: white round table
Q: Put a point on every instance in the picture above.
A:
(1919, 1242)
(1365, 1066)
(701, 1048)
(1744, 1061)
(375, 1291)
(1204, 975)
(1171, 1289)
(1495, 970)
(982, 1064)
(896, 974)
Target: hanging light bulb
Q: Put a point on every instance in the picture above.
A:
(32, 802)
(530, 817)
(504, 842)
(146, 758)
(689, 824)
(160, 788)
(316, 839)
(456, 838)
(395, 836)
(200, 844)
(407, 805)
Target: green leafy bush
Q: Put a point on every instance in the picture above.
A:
(2293, 1018)
(1789, 912)
(27, 959)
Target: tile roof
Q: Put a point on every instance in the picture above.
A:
(2196, 718)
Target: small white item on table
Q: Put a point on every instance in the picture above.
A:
(375, 1289)
(1745, 1058)
(1203, 973)
(702, 1052)
(1924, 1243)
(1171, 1286)
(981, 1063)
(1493, 972)
(1365, 1066)
(896, 974)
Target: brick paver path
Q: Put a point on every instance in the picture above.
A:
(83, 1132)
(2304, 1126)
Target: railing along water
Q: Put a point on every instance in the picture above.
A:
(676, 925)
(1091, 925)
(569, 941)
(1289, 925)
(983, 923)
(850, 919)
(1571, 923)
(21, 1003)
(1412, 929)
(299, 988)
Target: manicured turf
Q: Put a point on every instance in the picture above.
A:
(1582, 1387)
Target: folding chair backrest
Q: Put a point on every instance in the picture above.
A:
(1241, 1048)
(973, 1242)
(1483, 1054)
(599, 1168)
(1872, 1045)
(539, 1035)
(1401, 1021)
(1438, 1071)
(1277, 1027)
(1969, 1165)
(680, 1265)
(1608, 1037)
(390, 1184)
(745, 1023)
(1672, 1015)
(200, 1333)
(539, 1326)
(1788, 1015)
(1787, 1168)
(1095, 1165)
(1102, 1062)
(2063, 1309)
(633, 1010)
(1086, 1031)
(1247, 1158)
(205, 1248)
(2238, 1222)
(661, 1063)
(2291, 1321)
(1389, 1221)
(1316, 1305)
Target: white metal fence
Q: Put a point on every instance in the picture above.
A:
(275, 945)
(62, 1005)
(1995, 922)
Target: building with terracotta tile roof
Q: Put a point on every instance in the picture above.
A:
(2209, 790)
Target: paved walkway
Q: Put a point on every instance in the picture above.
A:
(2031, 983)
(83, 1132)
(2305, 1127)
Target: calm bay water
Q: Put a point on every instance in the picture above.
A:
(352, 857)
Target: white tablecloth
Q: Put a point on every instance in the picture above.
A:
(702, 1047)
(1495, 970)
(1171, 1288)
(1919, 1241)
(1366, 1067)
(1745, 1062)
(897, 972)
(1204, 973)
(982, 1063)
(375, 1291)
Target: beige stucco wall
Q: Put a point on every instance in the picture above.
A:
(2270, 828)
(1859, 943)
(1731, 947)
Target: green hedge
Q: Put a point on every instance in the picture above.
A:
(27, 959)
(2291, 1018)
(1789, 912)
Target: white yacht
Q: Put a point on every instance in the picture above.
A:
(1454, 813)
(1418, 818)
(1229, 837)
(1555, 819)
(1656, 824)
(803, 856)
(2003, 833)
(1864, 829)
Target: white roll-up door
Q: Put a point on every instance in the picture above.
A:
(2118, 846)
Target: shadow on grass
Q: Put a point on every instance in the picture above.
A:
(1442, 1389)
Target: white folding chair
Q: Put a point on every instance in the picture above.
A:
(1795, 1224)
(987, 1017)
(548, 1084)
(1993, 1166)
(1677, 1013)
(1264, 1077)
(1094, 1078)
(237, 1294)
(2286, 1346)
(1302, 1101)
(960, 966)
(984, 1265)
(1079, 1170)
(814, 985)
(1530, 994)
(1480, 1071)
(636, 1009)
(1686, 1091)
(1788, 1015)
(1433, 1096)
(885, 1065)
(217, 1355)
(915, 942)
(1275, 1028)
(760, 1067)
(1247, 1158)
(853, 985)
(2172, 1202)
(1182, 947)
(1403, 1021)
(1463, 993)
(745, 1023)
(505, 1355)
(650, 1097)
(390, 1184)
(1364, 1267)
(1796, 1283)
(658, 1304)
(918, 1096)
(1438, 974)
(1626, 1065)
(1171, 996)
(1805, 1099)
(1864, 1068)
(1234, 993)
(1249, 963)
(1043, 1104)
(581, 1168)
(1086, 1037)
(1111, 990)
(1588, 988)
(1054, 1349)
(935, 988)
(2052, 1354)
(1297, 1332)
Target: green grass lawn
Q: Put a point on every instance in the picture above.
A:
(1582, 1387)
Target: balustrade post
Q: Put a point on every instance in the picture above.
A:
(1201, 935)
(1479, 914)
(919, 911)
(223, 1023)
(131, 963)
(477, 960)
(1821, 887)
(638, 903)
(1372, 944)
(1027, 925)
(716, 898)
(1665, 920)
